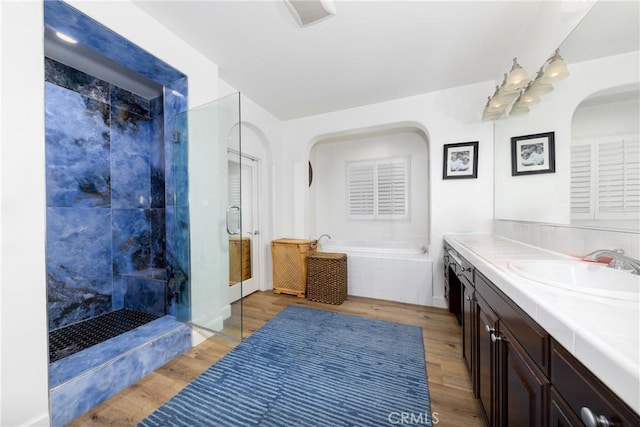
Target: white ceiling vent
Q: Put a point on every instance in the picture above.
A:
(307, 12)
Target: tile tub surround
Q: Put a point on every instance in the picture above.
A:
(83, 380)
(603, 333)
(569, 239)
(407, 280)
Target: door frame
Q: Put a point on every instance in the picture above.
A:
(257, 254)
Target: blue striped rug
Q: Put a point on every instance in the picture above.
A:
(310, 367)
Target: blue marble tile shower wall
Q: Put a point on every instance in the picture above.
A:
(106, 213)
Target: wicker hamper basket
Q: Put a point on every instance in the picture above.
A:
(327, 277)
(289, 265)
(239, 259)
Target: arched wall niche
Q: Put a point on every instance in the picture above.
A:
(256, 146)
(328, 156)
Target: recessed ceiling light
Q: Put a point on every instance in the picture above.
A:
(66, 38)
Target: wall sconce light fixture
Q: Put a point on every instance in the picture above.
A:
(557, 69)
(526, 92)
(517, 77)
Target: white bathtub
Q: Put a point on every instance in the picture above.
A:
(390, 270)
(382, 249)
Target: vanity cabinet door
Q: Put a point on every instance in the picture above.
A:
(468, 336)
(585, 394)
(487, 323)
(560, 415)
(523, 388)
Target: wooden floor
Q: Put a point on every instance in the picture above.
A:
(452, 402)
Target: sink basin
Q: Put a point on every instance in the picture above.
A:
(585, 277)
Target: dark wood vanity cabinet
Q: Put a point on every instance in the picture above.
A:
(457, 273)
(523, 388)
(560, 415)
(584, 395)
(484, 371)
(512, 386)
(512, 390)
(468, 321)
(520, 375)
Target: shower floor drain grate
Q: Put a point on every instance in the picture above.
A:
(71, 339)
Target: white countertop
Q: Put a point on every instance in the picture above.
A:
(603, 333)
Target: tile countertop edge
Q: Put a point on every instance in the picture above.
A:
(480, 250)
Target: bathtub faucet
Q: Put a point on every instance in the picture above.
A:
(323, 235)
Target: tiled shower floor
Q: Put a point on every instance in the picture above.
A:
(71, 339)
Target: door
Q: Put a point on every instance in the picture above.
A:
(468, 313)
(202, 178)
(244, 255)
(522, 389)
(487, 323)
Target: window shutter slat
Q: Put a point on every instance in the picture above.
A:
(581, 179)
(361, 190)
(378, 189)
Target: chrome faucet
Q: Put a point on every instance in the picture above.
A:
(323, 235)
(615, 259)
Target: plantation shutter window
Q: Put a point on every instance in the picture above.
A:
(378, 189)
(581, 192)
(618, 188)
(392, 188)
(361, 190)
(605, 178)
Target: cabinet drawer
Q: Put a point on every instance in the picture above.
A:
(581, 389)
(530, 335)
(460, 266)
(466, 272)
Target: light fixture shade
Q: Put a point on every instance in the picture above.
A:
(517, 77)
(503, 88)
(490, 113)
(556, 70)
(522, 104)
(518, 110)
(539, 88)
(527, 98)
(499, 102)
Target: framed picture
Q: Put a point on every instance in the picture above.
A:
(531, 154)
(460, 160)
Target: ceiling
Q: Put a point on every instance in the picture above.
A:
(369, 52)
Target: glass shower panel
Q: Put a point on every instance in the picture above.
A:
(206, 205)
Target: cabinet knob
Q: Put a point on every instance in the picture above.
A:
(592, 420)
(496, 338)
(468, 298)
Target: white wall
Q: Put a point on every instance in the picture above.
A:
(329, 172)
(616, 118)
(546, 197)
(446, 117)
(23, 334)
(23, 372)
(261, 138)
